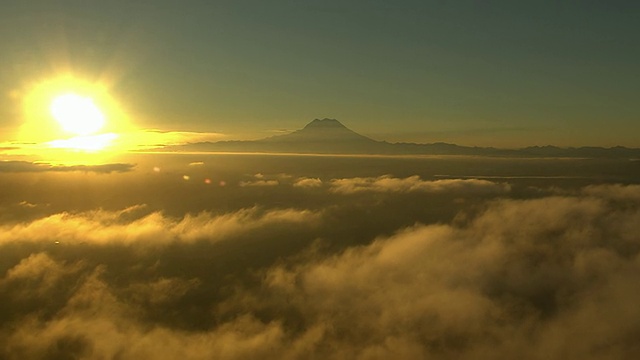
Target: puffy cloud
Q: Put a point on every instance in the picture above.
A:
(548, 278)
(533, 279)
(307, 182)
(163, 290)
(615, 192)
(96, 323)
(204, 226)
(260, 183)
(35, 276)
(387, 183)
(129, 226)
(260, 180)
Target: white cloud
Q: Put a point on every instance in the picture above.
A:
(259, 183)
(387, 183)
(155, 229)
(260, 179)
(307, 182)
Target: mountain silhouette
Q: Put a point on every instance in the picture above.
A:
(330, 136)
(324, 130)
(320, 136)
(324, 136)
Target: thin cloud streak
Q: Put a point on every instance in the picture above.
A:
(387, 183)
(27, 166)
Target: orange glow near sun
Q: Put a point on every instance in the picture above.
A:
(71, 113)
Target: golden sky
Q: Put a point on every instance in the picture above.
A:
(505, 74)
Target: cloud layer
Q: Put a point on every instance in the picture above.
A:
(535, 279)
(547, 278)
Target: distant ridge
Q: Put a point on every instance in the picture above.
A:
(330, 136)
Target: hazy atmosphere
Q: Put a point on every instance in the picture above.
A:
(319, 180)
(499, 73)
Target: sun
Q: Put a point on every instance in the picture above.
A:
(72, 114)
(77, 114)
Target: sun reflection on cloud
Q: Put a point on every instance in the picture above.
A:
(85, 143)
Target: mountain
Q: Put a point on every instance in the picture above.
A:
(329, 136)
(324, 136)
(321, 136)
(322, 131)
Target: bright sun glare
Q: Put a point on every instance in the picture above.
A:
(72, 114)
(77, 114)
